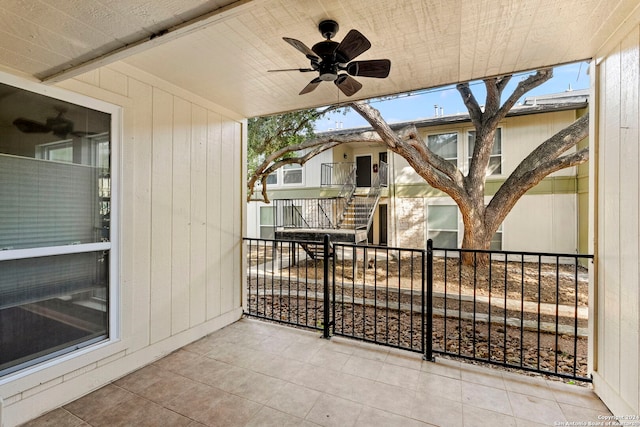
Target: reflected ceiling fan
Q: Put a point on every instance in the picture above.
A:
(334, 61)
(58, 125)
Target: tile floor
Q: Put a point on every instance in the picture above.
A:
(257, 374)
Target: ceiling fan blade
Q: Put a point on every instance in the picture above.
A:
(378, 68)
(353, 44)
(311, 86)
(81, 134)
(347, 84)
(302, 70)
(31, 126)
(301, 47)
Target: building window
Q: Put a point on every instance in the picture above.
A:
(55, 227)
(442, 225)
(445, 145)
(496, 240)
(60, 151)
(288, 174)
(267, 222)
(272, 179)
(495, 161)
(292, 174)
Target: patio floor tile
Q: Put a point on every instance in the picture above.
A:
(253, 373)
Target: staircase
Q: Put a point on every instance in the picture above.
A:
(346, 217)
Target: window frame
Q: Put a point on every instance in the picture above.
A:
(447, 203)
(114, 333)
(262, 225)
(276, 179)
(43, 151)
(291, 167)
(454, 161)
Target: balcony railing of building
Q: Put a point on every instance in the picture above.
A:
(345, 211)
(336, 174)
(521, 310)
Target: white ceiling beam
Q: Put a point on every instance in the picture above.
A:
(159, 38)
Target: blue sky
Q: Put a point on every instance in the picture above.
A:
(420, 104)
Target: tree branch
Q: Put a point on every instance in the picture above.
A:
(470, 101)
(434, 169)
(523, 87)
(315, 146)
(541, 162)
(376, 121)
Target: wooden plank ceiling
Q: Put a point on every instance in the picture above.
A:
(225, 57)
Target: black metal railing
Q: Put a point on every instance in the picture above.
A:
(282, 283)
(336, 174)
(373, 301)
(526, 310)
(321, 213)
(521, 310)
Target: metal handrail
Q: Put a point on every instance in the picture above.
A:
(346, 194)
(335, 174)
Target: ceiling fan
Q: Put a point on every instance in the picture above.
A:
(330, 58)
(58, 125)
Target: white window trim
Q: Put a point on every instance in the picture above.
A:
(294, 184)
(279, 174)
(260, 224)
(445, 201)
(115, 312)
(458, 148)
(43, 151)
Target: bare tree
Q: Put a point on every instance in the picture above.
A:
(481, 220)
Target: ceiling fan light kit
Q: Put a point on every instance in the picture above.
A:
(333, 60)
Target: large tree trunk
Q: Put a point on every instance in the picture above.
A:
(476, 235)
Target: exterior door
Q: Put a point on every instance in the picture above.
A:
(363, 171)
(382, 225)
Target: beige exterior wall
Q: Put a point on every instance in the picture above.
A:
(181, 216)
(407, 219)
(616, 295)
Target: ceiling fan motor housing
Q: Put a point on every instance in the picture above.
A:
(328, 71)
(328, 28)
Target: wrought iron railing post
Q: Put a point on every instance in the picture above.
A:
(428, 355)
(325, 265)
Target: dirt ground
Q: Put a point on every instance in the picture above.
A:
(523, 281)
